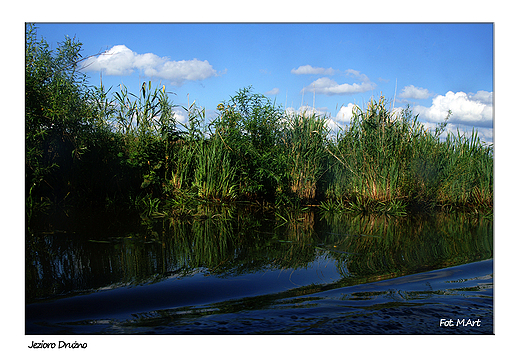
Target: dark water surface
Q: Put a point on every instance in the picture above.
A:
(237, 271)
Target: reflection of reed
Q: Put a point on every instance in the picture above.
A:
(301, 226)
(384, 247)
(227, 241)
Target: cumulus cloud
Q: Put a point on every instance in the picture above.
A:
(331, 123)
(307, 110)
(344, 114)
(273, 92)
(415, 92)
(121, 61)
(468, 111)
(360, 76)
(484, 97)
(474, 109)
(309, 70)
(485, 134)
(180, 115)
(330, 87)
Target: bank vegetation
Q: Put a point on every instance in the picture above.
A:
(108, 149)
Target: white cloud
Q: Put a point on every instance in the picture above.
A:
(330, 87)
(482, 97)
(468, 112)
(120, 60)
(309, 70)
(180, 115)
(344, 114)
(415, 92)
(273, 92)
(306, 109)
(474, 110)
(485, 134)
(362, 77)
(332, 123)
(116, 61)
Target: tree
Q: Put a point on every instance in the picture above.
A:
(57, 110)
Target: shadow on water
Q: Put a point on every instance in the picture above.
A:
(241, 270)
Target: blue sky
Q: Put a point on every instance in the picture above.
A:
(329, 67)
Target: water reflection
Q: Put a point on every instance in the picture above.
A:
(386, 247)
(232, 242)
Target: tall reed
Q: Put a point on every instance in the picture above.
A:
(373, 152)
(86, 149)
(305, 138)
(215, 173)
(386, 161)
(469, 172)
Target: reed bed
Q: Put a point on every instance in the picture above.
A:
(388, 162)
(305, 136)
(90, 149)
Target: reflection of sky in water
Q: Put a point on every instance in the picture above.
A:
(221, 270)
(177, 306)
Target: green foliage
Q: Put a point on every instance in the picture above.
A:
(374, 151)
(250, 127)
(305, 142)
(86, 147)
(388, 162)
(215, 173)
(56, 119)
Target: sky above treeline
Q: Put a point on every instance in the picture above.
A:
(325, 67)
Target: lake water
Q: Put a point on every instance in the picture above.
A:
(242, 270)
